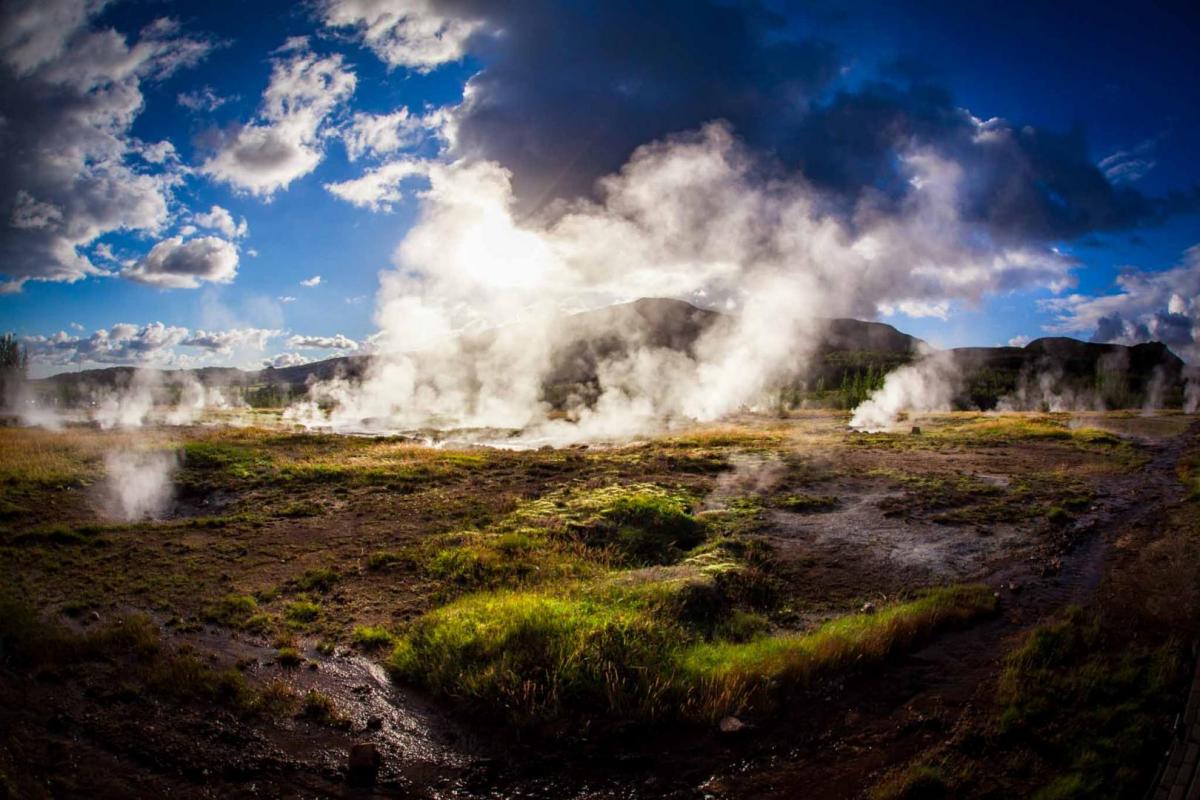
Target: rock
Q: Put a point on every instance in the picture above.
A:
(94, 616)
(363, 766)
(916, 429)
(731, 725)
(374, 723)
(868, 608)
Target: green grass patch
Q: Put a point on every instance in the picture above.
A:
(632, 651)
(1097, 706)
(727, 676)
(372, 637)
(233, 610)
(302, 611)
(642, 523)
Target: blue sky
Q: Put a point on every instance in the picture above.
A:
(1121, 79)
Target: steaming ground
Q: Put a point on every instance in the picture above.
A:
(268, 549)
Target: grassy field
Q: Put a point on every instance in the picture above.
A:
(705, 574)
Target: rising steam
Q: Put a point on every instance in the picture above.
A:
(694, 217)
(138, 483)
(930, 384)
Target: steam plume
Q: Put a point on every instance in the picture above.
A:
(138, 483)
(695, 217)
(925, 386)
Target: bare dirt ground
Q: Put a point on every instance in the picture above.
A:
(849, 519)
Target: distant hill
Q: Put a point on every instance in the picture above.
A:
(850, 360)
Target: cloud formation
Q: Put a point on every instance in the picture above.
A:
(338, 342)
(404, 33)
(286, 360)
(378, 189)
(562, 111)
(177, 264)
(379, 135)
(153, 344)
(1149, 306)
(218, 218)
(225, 342)
(285, 141)
(123, 343)
(71, 172)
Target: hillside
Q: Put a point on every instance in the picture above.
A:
(851, 359)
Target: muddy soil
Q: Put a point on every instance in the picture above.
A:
(89, 738)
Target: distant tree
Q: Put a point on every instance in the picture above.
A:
(14, 361)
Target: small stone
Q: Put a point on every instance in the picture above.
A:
(731, 725)
(374, 723)
(916, 429)
(94, 616)
(868, 608)
(363, 766)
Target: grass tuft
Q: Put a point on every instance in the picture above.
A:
(370, 637)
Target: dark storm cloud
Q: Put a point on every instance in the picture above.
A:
(1024, 183)
(571, 89)
(568, 91)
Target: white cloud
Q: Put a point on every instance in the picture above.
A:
(286, 298)
(158, 152)
(403, 33)
(1127, 166)
(1019, 341)
(152, 344)
(218, 218)
(286, 360)
(379, 188)
(285, 141)
(1162, 306)
(123, 343)
(202, 99)
(338, 342)
(382, 134)
(71, 172)
(176, 264)
(939, 309)
(225, 342)
(315, 280)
